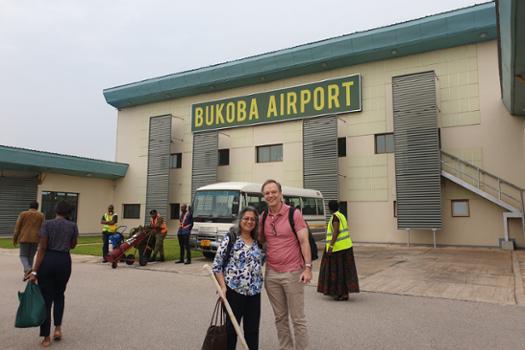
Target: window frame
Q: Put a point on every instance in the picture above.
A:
(341, 149)
(227, 157)
(178, 162)
(385, 136)
(394, 208)
(454, 215)
(65, 195)
(176, 212)
(269, 148)
(124, 216)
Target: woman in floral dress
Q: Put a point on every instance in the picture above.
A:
(240, 276)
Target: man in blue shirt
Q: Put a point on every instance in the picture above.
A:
(186, 223)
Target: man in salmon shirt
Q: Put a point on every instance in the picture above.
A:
(289, 266)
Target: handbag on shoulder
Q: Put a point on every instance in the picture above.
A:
(216, 336)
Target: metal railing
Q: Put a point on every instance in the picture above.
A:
(485, 181)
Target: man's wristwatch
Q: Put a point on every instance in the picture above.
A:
(309, 266)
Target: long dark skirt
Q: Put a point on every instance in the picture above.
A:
(338, 275)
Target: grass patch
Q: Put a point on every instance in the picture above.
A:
(92, 245)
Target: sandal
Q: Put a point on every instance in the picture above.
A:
(57, 336)
(45, 343)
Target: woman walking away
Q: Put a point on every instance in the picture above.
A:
(238, 269)
(337, 274)
(53, 267)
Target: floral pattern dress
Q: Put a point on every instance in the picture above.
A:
(244, 272)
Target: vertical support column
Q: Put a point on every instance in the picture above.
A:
(157, 190)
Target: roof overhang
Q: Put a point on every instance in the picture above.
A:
(12, 158)
(512, 54)
(459, 27)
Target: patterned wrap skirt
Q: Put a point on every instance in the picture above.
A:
(338, 274)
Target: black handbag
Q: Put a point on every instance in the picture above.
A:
(216, 336)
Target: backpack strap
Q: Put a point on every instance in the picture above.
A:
(227, 256)
(291, 220)
(262, 239)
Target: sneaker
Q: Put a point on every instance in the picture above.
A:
(179, 261)
(187, 262)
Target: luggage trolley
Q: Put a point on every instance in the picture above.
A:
(142, 239)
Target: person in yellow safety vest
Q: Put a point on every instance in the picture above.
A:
(161, 230)
(109, 221)
(338, 274)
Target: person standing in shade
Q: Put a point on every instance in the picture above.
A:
(161, 230)
(183, 235)
(239, 273)
(26, 233)
(53, 267)
(289, 266)
(109, 220)
(338, 274)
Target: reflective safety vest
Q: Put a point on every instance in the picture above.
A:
(163, 226)
(109, 228)
(343, 240)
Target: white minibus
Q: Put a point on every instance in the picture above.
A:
(215, 208)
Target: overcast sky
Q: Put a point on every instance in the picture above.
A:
(56, 56)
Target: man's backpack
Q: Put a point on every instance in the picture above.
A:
(311, 241)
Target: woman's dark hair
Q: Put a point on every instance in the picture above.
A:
(63, 208)
(237, 225)
(333, 205)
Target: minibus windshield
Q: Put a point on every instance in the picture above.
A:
(210, 204)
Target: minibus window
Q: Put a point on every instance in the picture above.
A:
(216, 204)
(293, 201)
(309, 206)
(320, 206)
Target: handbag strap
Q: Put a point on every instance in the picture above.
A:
(218, 317)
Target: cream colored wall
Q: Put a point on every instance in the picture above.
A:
(496, 143)
(94, 197)
(474, 125)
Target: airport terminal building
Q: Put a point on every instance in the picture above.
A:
(417, 129)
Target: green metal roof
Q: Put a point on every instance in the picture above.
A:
(459, 27)
(14, 158)
(512, 54)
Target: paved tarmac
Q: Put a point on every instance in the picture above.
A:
(168, 306)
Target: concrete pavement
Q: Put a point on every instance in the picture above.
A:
(168, 306)
(470, 274)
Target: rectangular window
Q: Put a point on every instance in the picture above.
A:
(224, 156)
(341, 146)
(343, 208)
(395, 209)
(270, 153)
(309, 206)
(384, 143)
(50, 199)
(176, 160)
(256, 200)
(175, 211)
(293, 201)
(320, 206)
(460, 208)
(131, 211)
